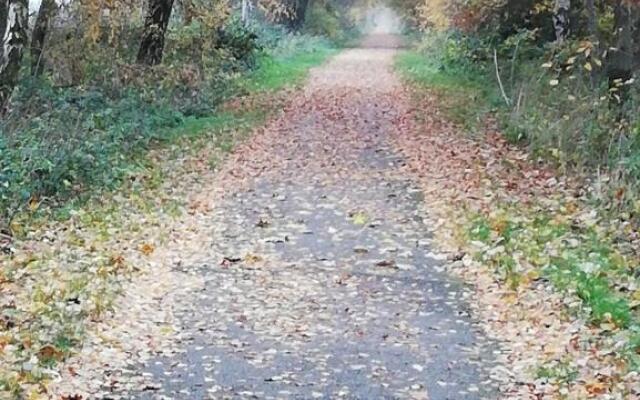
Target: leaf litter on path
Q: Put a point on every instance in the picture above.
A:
(308, 274)
(305, 266)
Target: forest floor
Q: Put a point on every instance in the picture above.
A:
(320, 260)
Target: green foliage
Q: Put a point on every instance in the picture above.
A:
(273, 74)
(324, 20)
(480, 229)
(557, 104)
(78, 137)
(462, 91)
(241, 40)
(58, 142)
(523, 244)
(558, 372)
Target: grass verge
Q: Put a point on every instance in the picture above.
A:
(464, 96)
(560, 239)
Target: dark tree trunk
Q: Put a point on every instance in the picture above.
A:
(155, 27)
(46, 13)
(300, 13)
(624, 55)
(3, 21)
(296, 11)
(592, 19)
(623, 58)
(14, 42)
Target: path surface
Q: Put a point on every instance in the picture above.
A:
(319, 280)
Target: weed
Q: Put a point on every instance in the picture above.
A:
(558, 371)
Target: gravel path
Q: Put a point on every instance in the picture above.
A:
(318, 279)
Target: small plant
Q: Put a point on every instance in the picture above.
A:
(561, 372)
(480, 229)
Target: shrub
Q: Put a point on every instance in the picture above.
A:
(59, 138)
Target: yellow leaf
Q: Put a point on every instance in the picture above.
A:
(587, 66)
(547, 65)
(33, 204)
(510, 298)
(252, 258)
(554, 82)
(34, 395)
(596, 387)
(360, 218)
(147, 249)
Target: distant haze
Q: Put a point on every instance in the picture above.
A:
(382, 20)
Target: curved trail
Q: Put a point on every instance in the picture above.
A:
(318, 280)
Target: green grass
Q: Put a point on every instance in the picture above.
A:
(275, 73)
(147, 164)
(463, 96)
(111, 141)
(575, 260)
(557, 371)
(550, 244)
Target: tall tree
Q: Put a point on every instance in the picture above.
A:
(13, 43)
(293, 17)
(625, 53)
(155, 28)
(561, 19)
(46, 12)
(3, 20)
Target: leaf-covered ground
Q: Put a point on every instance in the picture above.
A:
(306, 270)
(64, 269)
(556, 279)
(355, 246)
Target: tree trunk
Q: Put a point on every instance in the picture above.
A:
(594, 37)
(621, 60)
(13, 43)
(188, 11)
(46, 12)
(592, 19)
(301, 12)
(155, 27)
(561, 19)
(624, 56)
(296, 11)
(3, 21)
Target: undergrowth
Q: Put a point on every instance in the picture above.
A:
(59, 144)
(51, 294)
(557, 110)
(463, 94)
(584, 250)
